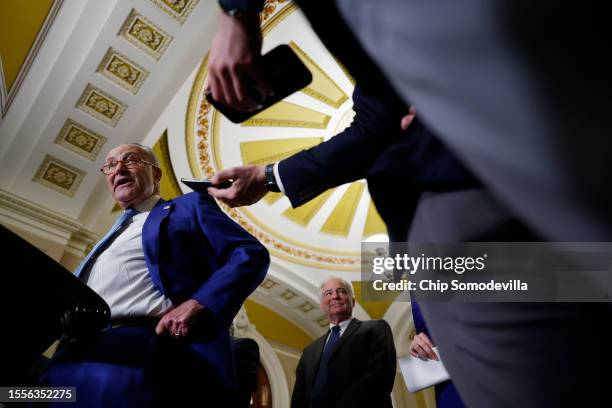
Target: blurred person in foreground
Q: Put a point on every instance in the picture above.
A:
(500, 88)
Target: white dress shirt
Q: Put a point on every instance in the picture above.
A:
(279, 182)
(343, 325)
(120, 274)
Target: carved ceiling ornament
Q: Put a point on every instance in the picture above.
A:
(80, 139)
(59, 176)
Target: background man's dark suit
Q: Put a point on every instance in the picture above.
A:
(361, 369)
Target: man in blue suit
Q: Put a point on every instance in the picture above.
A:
(174, 274)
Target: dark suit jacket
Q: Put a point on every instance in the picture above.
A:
(398, 165)
(361, 369)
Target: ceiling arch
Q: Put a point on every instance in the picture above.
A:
(23, 27)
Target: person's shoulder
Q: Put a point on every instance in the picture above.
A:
(193, 197)
(377, 324)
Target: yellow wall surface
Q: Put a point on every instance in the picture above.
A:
(274, 327)
(20, 22)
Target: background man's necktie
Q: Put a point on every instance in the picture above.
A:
(319, 387)
(110, 235)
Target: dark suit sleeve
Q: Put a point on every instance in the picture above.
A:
(347, 156)
(242, 261)
(379, 374)
(298, 397)
(243, 5)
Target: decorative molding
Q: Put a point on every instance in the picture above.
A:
(323, 322)
(123, 71)
(101, 105)
(59, 176)
(80, 139)
(288, 294)
(177, 9)
(47, 225)
(291, 303)
(82, 242)
(311, 90)
(269, 8)
(268, 284)
(284, 350)
(41, 214)
(306, 307)
(145, 35)
(287, 114)
(8, 95)
(3, 91)
(242, 327)
(197, 110)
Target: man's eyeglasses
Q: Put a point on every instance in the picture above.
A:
(130, 163)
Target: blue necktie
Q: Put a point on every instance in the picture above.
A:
(319, 387)
(110, 235)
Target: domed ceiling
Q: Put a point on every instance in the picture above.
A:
(325, 232)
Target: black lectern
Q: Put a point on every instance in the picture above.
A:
(35, 293)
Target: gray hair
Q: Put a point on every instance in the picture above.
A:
(347, 285)
(148, 151)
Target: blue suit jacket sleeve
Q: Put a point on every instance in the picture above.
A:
(417, 318)
(347, 156)
(242, 261)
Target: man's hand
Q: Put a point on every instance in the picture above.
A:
(234, 62)
(407, 120)
(422, 347)
(179, 321)
(247, 188)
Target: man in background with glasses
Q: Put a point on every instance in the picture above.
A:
(174, 274)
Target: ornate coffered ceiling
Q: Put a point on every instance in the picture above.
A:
(102, 75)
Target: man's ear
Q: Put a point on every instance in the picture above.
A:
(157, 174)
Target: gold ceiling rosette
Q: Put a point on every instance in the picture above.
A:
(325, 232)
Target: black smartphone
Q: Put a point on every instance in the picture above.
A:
(285, 72)
(201, 185)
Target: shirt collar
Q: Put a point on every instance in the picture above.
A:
(343, 324)
(148, 204)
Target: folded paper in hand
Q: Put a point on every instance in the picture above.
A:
(419, 374)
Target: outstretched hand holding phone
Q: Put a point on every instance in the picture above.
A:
(234, 61)
(243, 82)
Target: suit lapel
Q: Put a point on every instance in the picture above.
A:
(317, 351)
(150, 240)
(350, 329)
